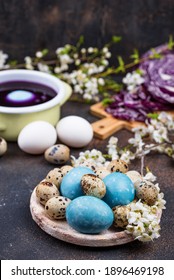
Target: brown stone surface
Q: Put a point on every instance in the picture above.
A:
(21, 238)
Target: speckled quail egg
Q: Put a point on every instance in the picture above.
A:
(121, 215)
(45, 190)
(148, 192)
(56, 207)
(89, 164)
(135, 177)
(102, 172)
(55, 176)
(92, 185)
(71, 182)
(3, 146)
(118, 165)
(57, 154)
(65, 169)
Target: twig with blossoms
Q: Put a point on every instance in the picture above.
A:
(143, 220)
(78, 66)
(155, 136)
(87, 70)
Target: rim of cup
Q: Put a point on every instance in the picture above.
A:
(34, 76)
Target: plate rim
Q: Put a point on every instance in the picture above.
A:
(62, 231)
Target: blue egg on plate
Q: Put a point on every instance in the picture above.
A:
(71, 183)
(89, 214)
(119, 189)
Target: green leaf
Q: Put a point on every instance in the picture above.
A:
(135, 56)
(116, 39)
(13, 62)
(170, 43)
(147, 169)
(107, 101)
(113, 85)
(45, 52)
(139, 71)
(121, 67)
(153, 116)
(169, 151)
(155, 54)
(80, 41)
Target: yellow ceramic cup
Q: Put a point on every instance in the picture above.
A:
(13, 119)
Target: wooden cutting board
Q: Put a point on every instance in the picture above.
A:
(108, 125)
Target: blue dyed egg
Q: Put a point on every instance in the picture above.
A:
(89, 214)
(71, 183)
(119, 189)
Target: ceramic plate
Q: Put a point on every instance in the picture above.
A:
(61, 230)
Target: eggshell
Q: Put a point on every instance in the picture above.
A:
(119, 189)
(36, 137)
(93, 186)
(102, 172)
(3, 146)
(56, 207)
(121, 215)
(57, 154)
(45, 190)
(135, 177)
(88, 214)
(71, 182)
(55, 176)
(118, 165)
(74, 131)
(147, 192)
(65, 169)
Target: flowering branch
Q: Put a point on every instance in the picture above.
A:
(143, 220)
(87, 70)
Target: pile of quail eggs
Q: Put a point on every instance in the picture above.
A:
(92, 199)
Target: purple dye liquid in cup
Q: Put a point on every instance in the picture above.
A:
(23, 94)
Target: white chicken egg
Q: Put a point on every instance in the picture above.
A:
(36, 137)
(74, 131)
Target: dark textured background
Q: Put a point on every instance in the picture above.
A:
(27, 26)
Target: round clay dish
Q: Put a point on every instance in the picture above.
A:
(61, 230)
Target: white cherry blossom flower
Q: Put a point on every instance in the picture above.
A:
(28, 63)
(3, 58)
(43, 67)
(59, 50)
(101, 81)
(144, 220)
(65, 59)
(83, 50)
(94, 156)
(132, 80)
(39, 54)
(90, 50)
(136, 141)
(105, 50)
(127, 156)
(150, 177)
(112, 148)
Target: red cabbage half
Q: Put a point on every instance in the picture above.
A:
(155, 94)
